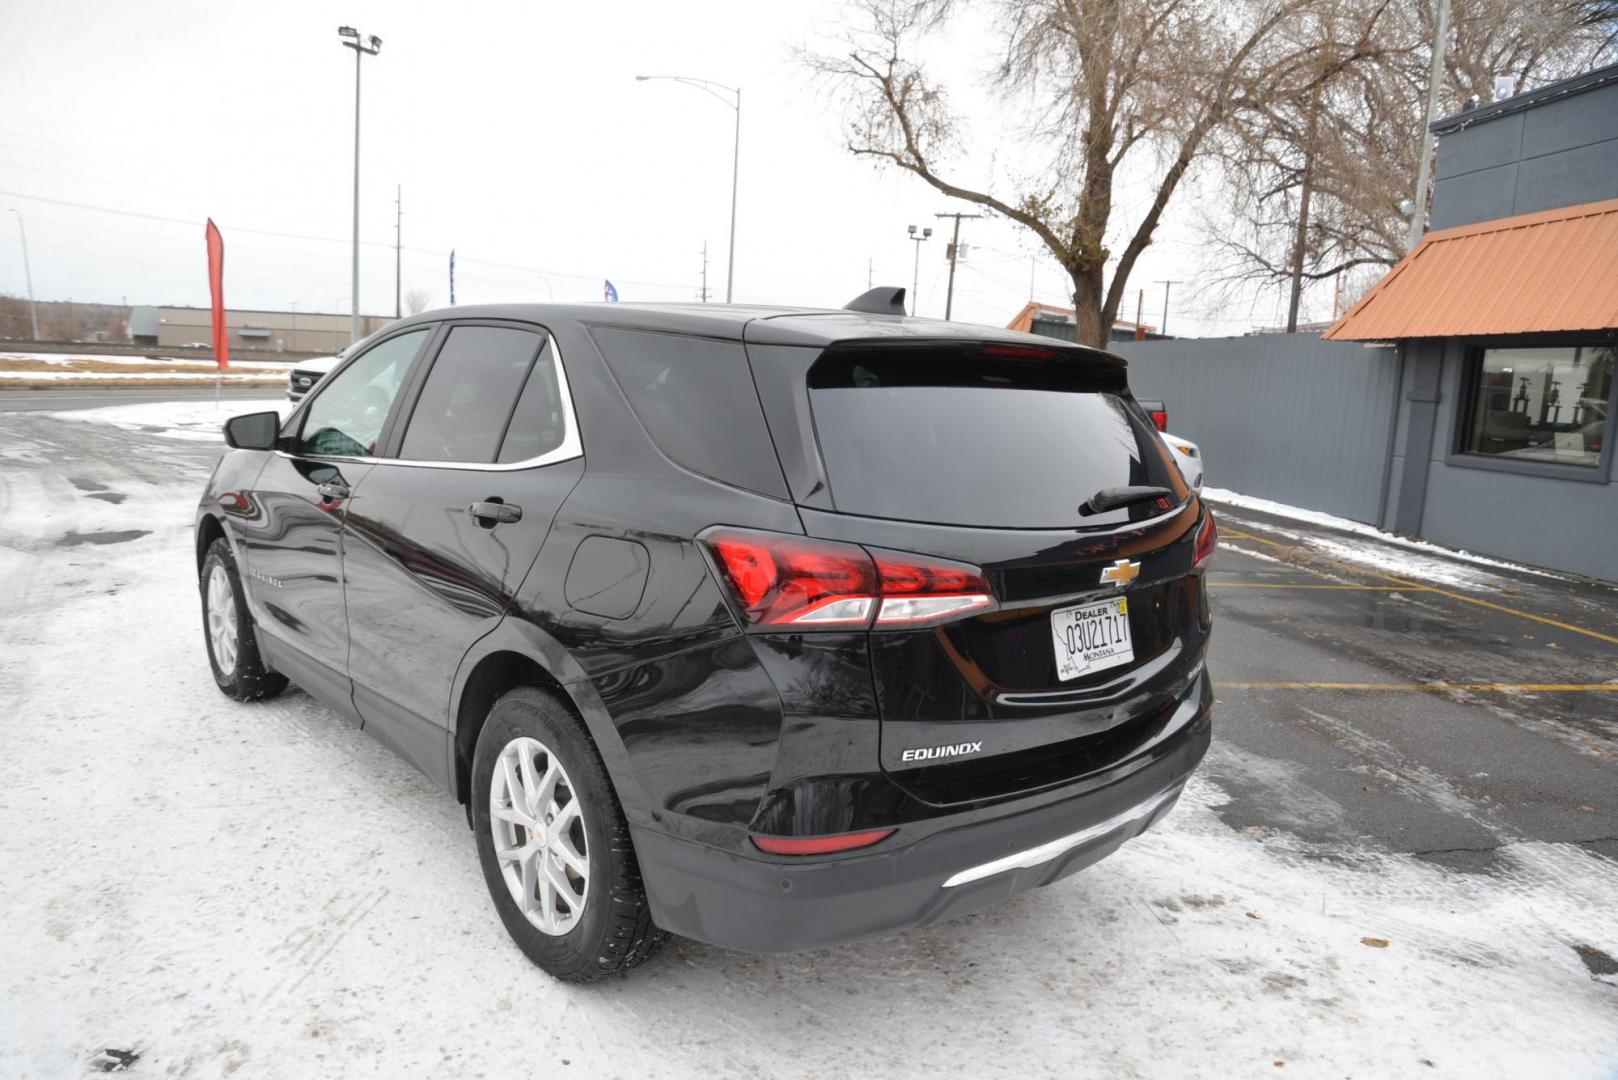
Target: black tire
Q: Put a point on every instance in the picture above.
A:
(614, 932)
(248, 678)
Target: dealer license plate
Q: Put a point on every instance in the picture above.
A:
(1091, 638)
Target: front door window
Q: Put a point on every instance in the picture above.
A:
(346, 418)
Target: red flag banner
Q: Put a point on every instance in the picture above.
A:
(216, 287)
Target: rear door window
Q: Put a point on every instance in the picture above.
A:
(473, 393)
(982, 435)
(696, 398)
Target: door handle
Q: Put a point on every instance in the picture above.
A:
(493, 512)
(331, 490)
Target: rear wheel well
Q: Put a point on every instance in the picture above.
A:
(494, 675)
(208, 530)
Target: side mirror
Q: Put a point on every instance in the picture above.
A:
(254, 431)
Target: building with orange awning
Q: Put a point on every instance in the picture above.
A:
(1506, 321)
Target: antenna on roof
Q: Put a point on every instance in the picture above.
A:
(882, 300)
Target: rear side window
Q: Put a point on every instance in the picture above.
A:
(467, 408)
(696, 398)
(981, 435)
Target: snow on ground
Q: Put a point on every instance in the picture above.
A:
(182, 361)
(223, 887)
(94, 377)
(1372, 554)
(190, 419)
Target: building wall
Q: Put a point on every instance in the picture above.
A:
(1536, 519)
(1287, 417)
(308, 332)
(1557, 146)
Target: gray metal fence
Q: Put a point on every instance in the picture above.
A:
(1287, 417)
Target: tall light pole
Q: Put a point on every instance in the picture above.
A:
(735, 102)
(363, 47)
(915, 273)
(28, 275)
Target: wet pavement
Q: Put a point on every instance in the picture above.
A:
(1442, 710)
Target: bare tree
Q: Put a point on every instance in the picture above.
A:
(1316, 176)
(1118, 87)
(417, 300)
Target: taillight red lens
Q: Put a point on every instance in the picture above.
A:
(805, 584)
(1160, 420)
(1207, 539)
(820, 845)
(917, 590)
(791, 580)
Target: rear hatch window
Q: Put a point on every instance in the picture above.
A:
(982, 434)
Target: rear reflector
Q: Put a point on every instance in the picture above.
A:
(781, 581)
(1207, 538)
(819, 845)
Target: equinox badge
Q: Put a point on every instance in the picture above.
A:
(928, 753)
(1121, 573)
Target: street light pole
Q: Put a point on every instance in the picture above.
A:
(915, 273)
(28, 275)
(363, 47)
(735, 102)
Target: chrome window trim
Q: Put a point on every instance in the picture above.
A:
(572, 445)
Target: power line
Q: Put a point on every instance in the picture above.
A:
(192, 224)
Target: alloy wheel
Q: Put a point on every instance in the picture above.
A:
(539, 838)
(222, 620)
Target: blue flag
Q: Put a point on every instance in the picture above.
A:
(608, 293)
(451, 277)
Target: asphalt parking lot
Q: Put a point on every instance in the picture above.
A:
(1441, 711)
(1397, 860)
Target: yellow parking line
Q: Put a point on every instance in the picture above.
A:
(1476, 688)
(1352, 569)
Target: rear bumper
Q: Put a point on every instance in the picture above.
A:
(959, 864)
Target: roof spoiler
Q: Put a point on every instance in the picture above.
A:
(882, 300)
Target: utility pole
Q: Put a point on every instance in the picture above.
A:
(1140, 303)
(915, 283)
(1164, 329)
(870, 272)
(953, 252)
(363, 47)
(398, 219)
(28, 274)
(1418, 212)
(704, 293)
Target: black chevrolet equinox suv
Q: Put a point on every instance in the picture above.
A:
(771, 628)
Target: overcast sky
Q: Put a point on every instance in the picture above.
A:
(520, 138)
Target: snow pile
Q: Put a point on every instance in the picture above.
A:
(190, 419)
(1438, 567)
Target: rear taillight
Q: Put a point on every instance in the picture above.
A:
(1207, 538)
(1160, 420)
(819, 845)
(795, 582)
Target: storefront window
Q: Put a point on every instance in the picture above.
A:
(1547, 405)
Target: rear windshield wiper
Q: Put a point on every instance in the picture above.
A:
(1114, 497)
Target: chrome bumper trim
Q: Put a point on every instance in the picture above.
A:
(1044, 853)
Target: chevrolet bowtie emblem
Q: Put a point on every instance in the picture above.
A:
(1121, 573)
